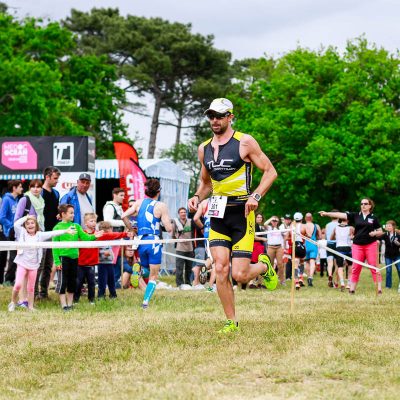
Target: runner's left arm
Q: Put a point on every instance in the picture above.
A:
(251, 150)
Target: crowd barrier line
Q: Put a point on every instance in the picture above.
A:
(363, 264)
(185, 258)
(7, 245)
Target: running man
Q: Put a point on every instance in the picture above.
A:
(227, 161)
(150, 212)
(312, 231)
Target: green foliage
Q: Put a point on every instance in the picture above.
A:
(329, 123)
(47, 89)
(3, 7)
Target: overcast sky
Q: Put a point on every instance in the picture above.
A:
(248, 28)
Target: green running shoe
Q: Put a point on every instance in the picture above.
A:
(230, 326)
(270, 277)
(135, 275)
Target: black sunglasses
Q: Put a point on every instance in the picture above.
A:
(212, 116)
(365, 204)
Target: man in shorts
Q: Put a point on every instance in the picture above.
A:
(329, 229)
(227, 160)
(312, 231)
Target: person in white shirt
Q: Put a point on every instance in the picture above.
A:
(329, 228)
(343, 234)
(112, 210)
(112, 213)
(322, 253)
(275, 246)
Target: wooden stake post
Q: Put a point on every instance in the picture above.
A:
(293, 233)
(378, 273)
(122, 264)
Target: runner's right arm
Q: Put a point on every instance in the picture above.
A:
(204, 187)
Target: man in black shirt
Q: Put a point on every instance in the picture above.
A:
(51, 199)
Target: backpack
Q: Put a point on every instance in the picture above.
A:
(27, 209)
(117, 217)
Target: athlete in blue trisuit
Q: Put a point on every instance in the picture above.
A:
(150, 212)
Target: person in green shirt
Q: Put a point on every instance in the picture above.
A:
(66, 259)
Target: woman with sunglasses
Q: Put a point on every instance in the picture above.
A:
(366, 231)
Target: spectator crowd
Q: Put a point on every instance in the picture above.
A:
(40, 214)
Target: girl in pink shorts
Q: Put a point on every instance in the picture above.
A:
(28, 259)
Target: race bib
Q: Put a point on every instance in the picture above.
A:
(216, 208)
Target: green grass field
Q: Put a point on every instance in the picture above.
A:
(336, 346)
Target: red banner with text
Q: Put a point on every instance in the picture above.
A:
(131, 176)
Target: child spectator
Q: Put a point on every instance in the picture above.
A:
(323, 256)
(28, 259)
(132, 276)
(66, 259)
(107, 260)
(89, 258)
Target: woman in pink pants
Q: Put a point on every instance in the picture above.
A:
(364, 248)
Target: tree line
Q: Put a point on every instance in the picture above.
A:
(328, 119)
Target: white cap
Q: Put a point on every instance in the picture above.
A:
(298, 216)
(221, 106)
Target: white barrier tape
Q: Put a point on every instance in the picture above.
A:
(4, 246)
(271, 232)
(389, 265)
(339, 254)
(185, 258)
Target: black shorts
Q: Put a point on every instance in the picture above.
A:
(67, 276)
(345, 251)
(234, 231)
(332, 246)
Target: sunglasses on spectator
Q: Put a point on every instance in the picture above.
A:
(365, 204)
(275, 220)
(212, 116)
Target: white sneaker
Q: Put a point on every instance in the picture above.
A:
(11, 307)
(198, 287)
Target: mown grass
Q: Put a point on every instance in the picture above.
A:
(335, 346)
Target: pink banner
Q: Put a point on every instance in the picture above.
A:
(18, 155)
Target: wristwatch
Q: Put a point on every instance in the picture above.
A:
(256, 196)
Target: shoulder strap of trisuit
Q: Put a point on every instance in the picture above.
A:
(207, 142)
(238, 135)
